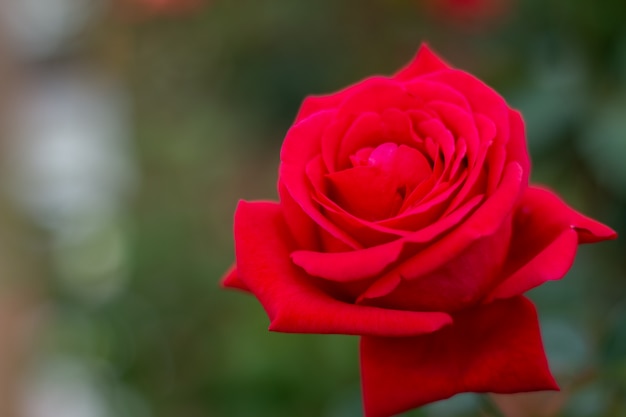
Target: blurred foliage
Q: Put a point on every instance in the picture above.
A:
(214, 93)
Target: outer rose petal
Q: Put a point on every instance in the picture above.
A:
(314, 104)
(231, 280)
(547, 233)
(292, 302)
(424, 62)
(301, 144)
(482, 98)
(493, 348)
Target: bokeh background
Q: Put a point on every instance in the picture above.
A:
(130, 128)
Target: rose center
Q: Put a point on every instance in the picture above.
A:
(379, 179)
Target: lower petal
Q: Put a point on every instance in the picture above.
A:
(354, 265)
(457, 284)
(290, 298)
(493, 348)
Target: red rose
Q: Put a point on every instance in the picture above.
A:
(405, 216)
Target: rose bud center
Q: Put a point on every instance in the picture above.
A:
(379, 179)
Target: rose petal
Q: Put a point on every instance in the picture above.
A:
(301, 145)
(365, 232)
(494, 348)
(410, 166)
(368, 233)
(485, 221)
(291, 301)
(475, 182)
(460, 123)
(430, 186)
(365, 131)
(347, 138)
(551, 263)
(333, 138)
(231, 280)
(516, 147)
(496, 155)
(482, 98)
(545, 238)
(457, 284)
(377, 94)
(363, 119)
(314, 104)
(332, 244)
(439, 133)
(424, 62)
(459, 161)
(429, 91)
(348, 266)
(398, 128)
(303, 140)
(496, 158)
(368, 192)
(427, 211)
(367, 263)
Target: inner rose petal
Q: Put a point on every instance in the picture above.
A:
(381, 177)
(366, 232)
(435, 130)
(461, 124)
(410, 166)
(370, 130)
(367, 192)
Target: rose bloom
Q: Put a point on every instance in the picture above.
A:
(406, 217)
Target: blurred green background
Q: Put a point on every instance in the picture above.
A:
(119, 296)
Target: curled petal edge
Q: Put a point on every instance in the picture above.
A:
(552, 261)
(292, 302)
